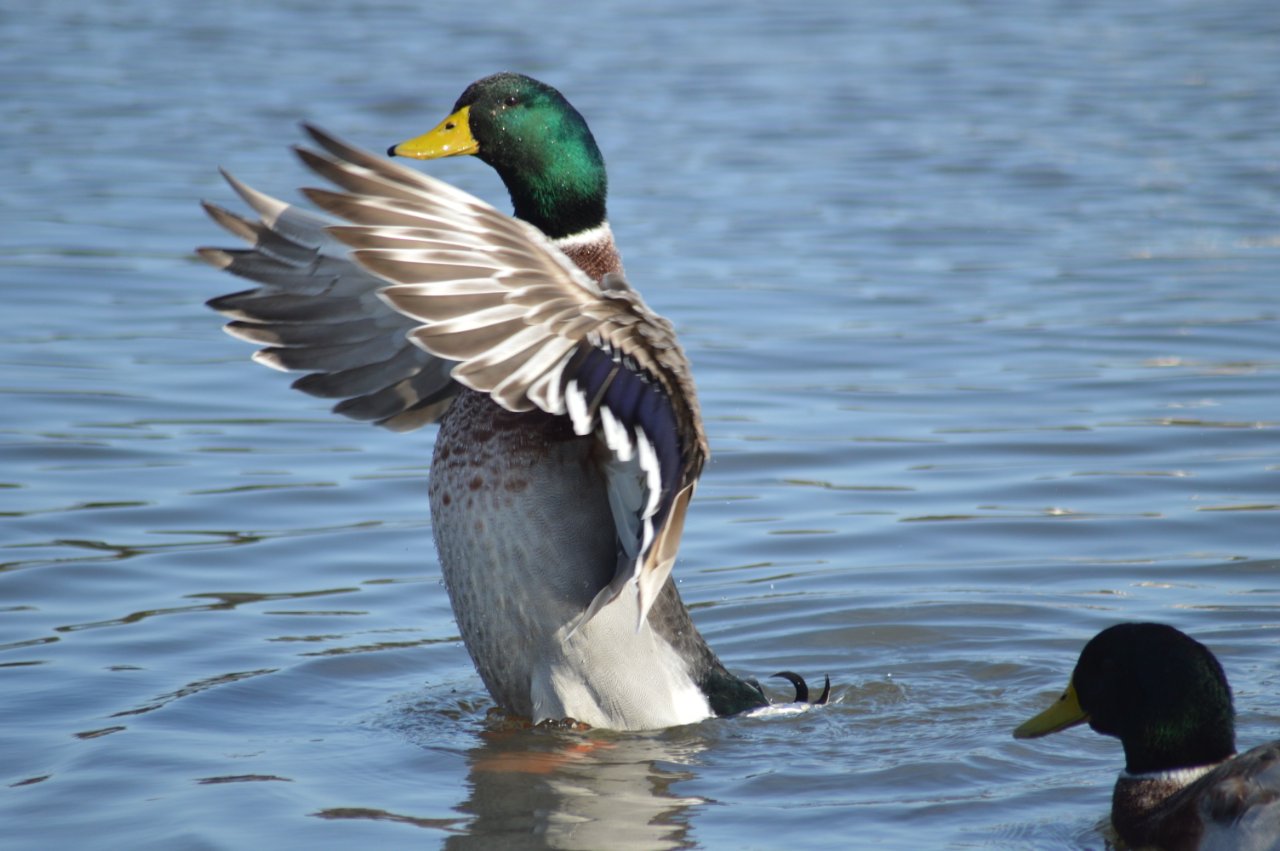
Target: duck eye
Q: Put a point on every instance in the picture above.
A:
(511, 100)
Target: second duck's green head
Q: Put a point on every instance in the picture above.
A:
(1159, 691)
(537, 142)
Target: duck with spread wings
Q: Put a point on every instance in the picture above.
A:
(570, 437)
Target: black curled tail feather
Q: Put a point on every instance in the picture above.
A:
(802, 688)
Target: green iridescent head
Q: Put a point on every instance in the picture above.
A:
(537, 142)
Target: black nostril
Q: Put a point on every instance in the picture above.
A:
(450, 126)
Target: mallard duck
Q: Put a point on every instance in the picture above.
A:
(1166, 698)
(570, 437)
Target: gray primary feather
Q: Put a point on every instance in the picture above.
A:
(318, 311)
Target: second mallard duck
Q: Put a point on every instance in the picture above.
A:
(570, 437)
(1165, 697)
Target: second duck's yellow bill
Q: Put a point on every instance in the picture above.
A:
(1065, 712)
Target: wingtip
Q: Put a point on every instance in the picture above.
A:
(642, 612)
(266, 357)
(218, 258)
(263, 204)
(313, 131)
(229, 221)
(310, 158)
(231, 180)
(335, 145)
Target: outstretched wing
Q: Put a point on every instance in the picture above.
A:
(528, 327)
(314, 309)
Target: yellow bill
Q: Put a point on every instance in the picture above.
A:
(1065, 712)
(450, 138)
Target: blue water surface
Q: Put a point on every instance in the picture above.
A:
(982, 303)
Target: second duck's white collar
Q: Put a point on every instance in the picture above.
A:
(1178, 776)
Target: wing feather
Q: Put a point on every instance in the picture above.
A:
(423, 285)
(532, 330)
(315, 309)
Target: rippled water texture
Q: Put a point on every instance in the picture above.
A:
(982, 300)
